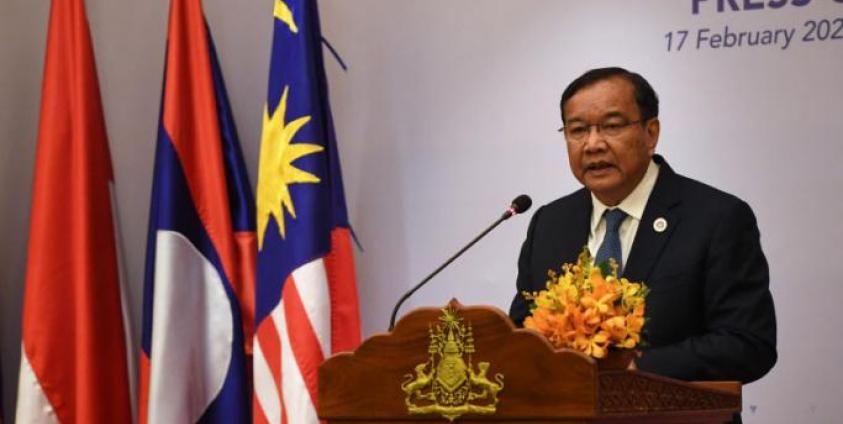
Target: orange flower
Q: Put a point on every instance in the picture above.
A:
(635, 323)
(584, 310)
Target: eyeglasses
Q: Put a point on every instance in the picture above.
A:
(579, 131)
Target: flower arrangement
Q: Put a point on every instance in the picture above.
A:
(588, 308)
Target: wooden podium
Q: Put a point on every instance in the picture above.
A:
(470, 364)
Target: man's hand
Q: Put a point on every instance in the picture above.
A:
(632, 366)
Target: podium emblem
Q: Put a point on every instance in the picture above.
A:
(447, 383)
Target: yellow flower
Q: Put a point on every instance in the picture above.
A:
(629, 343)
(616, 328)
(598, 345)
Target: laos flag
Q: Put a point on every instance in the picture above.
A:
(199, 276)
(306, 297)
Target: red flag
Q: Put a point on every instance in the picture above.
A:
(75, 354)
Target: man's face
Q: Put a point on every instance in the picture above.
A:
(609, 165)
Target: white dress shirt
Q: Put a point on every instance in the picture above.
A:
(633, 205)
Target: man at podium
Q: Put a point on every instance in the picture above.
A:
(711, 314)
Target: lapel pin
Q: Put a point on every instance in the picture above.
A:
(660, 224)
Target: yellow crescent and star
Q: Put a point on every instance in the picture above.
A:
(276, 172)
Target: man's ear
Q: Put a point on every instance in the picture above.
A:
(652, 129)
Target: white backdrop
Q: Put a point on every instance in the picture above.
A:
(450, 108)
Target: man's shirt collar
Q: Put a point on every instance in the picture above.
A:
(633, 204)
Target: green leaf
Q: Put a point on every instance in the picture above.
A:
(605, 268)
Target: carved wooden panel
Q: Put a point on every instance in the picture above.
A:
(622, 392)
(539, 383)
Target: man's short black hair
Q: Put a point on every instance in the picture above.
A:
(645, 96)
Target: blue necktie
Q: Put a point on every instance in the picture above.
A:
(611, 247)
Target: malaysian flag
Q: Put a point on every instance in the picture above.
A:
(76, 356)
(200, 264)
(306, 297)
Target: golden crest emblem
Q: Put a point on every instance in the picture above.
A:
(447, 383)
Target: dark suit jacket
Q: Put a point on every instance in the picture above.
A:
(710, 311)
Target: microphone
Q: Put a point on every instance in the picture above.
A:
(519, 205)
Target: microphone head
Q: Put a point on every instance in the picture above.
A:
(521, 203)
